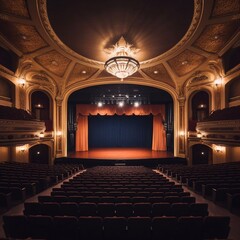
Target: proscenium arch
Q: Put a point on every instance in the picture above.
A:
(165, 87)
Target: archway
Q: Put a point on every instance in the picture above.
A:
(112, 94)
(201, 154)
(41, 108)
(199, 108)
(39, 154)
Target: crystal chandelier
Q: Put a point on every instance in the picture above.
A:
(122, 65)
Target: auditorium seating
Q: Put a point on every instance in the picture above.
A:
(116, 203)
(94, 227)
(19, 181)
(219, 183)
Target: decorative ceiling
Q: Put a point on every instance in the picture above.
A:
(64, 42)
(147, 25)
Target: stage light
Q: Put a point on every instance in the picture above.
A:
(121, 104)
(136, 104)
(100, 104)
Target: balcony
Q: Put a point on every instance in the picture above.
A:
(222, 127)
(20, 131)
(18, 127)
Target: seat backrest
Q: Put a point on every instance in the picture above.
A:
(124, 209)
(139, 228)
(142, 209)
(190, 227)
(41, 226)
(87, 209)
(216, 226)
(155, 199)
(15, 226)
(51, 209)
(115, 228)
(180, 209)
(164, 228)
(161, 209)
(198, 209)
(65, 227)
(32, 208)
(188, 199)
(106, 209)
(172, 199)
(90, 228)
(139, 199)
(69, 209)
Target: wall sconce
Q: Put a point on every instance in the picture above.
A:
(59, 133)
(199, 135)
(181, 133)
(218, 82)
(41, 135)
(22, 148)
(22, 82)
(219, 149)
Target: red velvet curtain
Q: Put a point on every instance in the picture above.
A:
(82, 134)
(159, 134)
(83, 110)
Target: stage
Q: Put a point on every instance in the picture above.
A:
(120, 154)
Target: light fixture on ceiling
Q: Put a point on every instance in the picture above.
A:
(122, 65)
(124, 98)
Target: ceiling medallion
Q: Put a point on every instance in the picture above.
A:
(122, 65)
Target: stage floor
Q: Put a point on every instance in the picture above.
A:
(120, 154)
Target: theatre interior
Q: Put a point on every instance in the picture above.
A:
(120, 119)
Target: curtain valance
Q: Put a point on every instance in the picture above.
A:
(91, 109)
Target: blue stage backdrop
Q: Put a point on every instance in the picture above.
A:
(120, 131)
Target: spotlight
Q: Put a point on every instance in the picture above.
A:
(100, 104)
(121, 104)
(136, 104)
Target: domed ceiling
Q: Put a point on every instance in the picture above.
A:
(152, 26)
(61, 45)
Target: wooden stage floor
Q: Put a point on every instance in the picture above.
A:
(120, 154)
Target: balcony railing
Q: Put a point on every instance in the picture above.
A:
(20, 131)
(222, 131)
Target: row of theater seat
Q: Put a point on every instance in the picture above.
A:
(121, 199)
(21, 180)
(117, 215)
(219, 183)
(118, 209)
(117, 228)
(146, 192)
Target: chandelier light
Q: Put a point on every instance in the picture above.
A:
(122, 65)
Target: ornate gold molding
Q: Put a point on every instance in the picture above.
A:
(42, 6)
